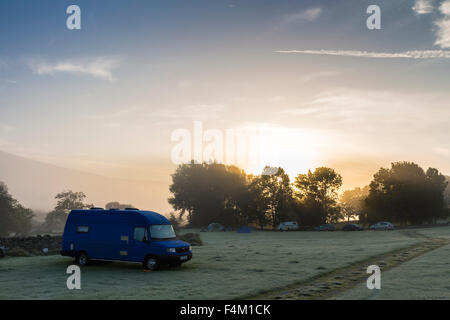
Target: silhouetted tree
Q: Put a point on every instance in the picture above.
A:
(405, 193)
(208, 193)
(175, 221)
(69, 200)
(14, 218)
(352, 202)
(447, 192)
(274, 197)
(66, 201)
(317, 193)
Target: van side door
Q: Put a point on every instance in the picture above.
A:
(140, 243)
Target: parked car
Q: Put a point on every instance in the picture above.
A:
(124, 235)
(288, 225)
(325, 227)
(382, 225)
(352, 227)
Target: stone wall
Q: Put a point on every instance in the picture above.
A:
(30, 246)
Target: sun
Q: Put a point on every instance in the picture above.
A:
(295, 150)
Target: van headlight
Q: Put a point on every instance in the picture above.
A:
(171, 250)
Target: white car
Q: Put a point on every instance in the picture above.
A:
(289, 225)
(383, 225)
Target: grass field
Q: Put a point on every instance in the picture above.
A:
(228, 265)
(443, 232)
(426, 277)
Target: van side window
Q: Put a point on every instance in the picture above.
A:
(140, 234)
(82, 229)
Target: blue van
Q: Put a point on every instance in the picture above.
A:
(123, 235)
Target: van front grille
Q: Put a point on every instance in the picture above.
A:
(181, 250)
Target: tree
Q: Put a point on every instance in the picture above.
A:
(405, 193)
(69, 200)
(274, 196)
(317, 193)
(66, 201)
(175, 221)
(352, 202)
(254, 204)
(447, 192)
(208, 192)
(14, 218)
(55, 220)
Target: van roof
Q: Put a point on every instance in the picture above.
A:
(151, 216)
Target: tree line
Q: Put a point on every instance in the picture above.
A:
(213, 192)
(205, 193)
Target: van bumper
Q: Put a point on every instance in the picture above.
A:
(166, 259)
(68, 253)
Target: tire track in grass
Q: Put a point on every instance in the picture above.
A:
(327, 285)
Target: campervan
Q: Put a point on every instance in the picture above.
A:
(123, 235)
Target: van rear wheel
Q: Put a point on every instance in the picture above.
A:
(82, 259)
(151, 263)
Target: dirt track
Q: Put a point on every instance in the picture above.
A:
(328, 285)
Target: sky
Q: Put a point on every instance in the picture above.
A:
(302, 83)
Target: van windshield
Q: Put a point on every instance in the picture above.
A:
(162, 232)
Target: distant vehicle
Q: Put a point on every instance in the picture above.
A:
(123, 235)
(325, 227)
(352, 227)
(289, 225)
(382, 225)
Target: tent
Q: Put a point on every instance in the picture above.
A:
(244, 229)
(215, 227)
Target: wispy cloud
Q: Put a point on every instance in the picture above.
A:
(318, 75)
(302, 16)
(372, 110)
(8, 81)
(414, 54)
(100, 67)
(443, 26)
(423, 6)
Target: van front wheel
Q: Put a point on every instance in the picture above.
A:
(82, 259)
(151, 263)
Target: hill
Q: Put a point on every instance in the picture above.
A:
(35, 185)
